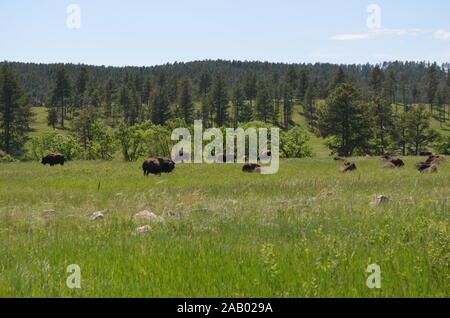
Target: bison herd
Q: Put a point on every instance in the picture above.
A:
(429, 166)
(158, 165)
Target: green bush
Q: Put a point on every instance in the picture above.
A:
(54, 142)
(7, 158)
(293, 143)
(443, 146)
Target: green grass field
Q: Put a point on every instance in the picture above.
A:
(307, 231)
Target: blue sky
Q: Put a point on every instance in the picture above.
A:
(138, 32)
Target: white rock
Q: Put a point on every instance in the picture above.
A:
(378, 200)
(143, 229)
(150, 216)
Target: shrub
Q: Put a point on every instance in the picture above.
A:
(54, 142)
(293, 143)
(443, 146)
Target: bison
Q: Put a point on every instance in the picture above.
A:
(425, 153)
(435, 159)
(348, 166)
(158, 166)
(430, 169)
(53, 159)
(394, 163)
(251, 167)
(426, 167)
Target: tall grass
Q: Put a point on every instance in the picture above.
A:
(307, 231)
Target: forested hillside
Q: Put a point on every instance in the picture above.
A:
(39, 78)
(96, 111)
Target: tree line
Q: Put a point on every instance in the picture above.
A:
(352, 108)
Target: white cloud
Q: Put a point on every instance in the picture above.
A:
(442, 34)
(377, 32)
(344, 37)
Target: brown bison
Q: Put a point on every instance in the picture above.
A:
(394, 163)
(53, 158)
(425, 153)
(158, 166)
(435, 159)
(430, 169)
(348, 166)
(251, 167)
(426, 167)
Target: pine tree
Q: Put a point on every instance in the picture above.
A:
(309, 103)
(238, 101)
(431, 84)
(219, 100)
(415, 93)
(250, 87)
(128, 101)
(403, 85)
(206, 110)
(263, 103)
(303, 82)
(339, 78)
(344, 118)
(15, 112)
(288, 105)
(185, 103)
(439, 102)
(382, 115)
(62, 91)
(276, 96)
(159, 103)
(292, 77)
(109, 97)
(80, 87)
(204, 83)
(390, 86)
(419, 134)
(376, 80)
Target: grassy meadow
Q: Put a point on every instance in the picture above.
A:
(307, 231)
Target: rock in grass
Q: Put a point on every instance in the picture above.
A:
(143, 229)
(378, 200)
(97, 215)
(48, 212)
(150, 216)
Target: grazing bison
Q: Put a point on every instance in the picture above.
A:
(425, 153)
(158, 166)
(394, 163)
(348, 166)
(251, 167)
(53, 159)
